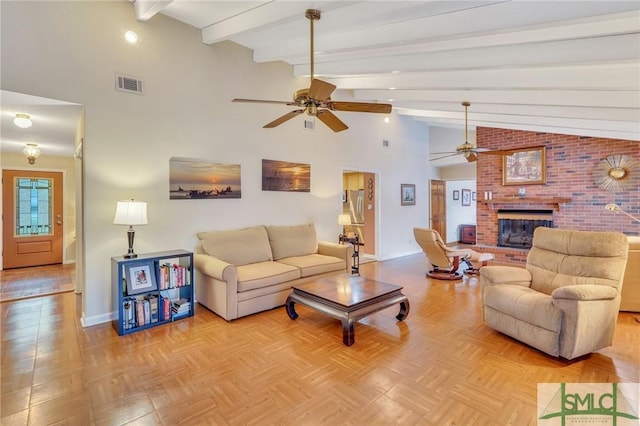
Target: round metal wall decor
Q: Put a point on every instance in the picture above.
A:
(614, 173)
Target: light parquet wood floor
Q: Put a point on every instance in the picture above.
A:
(440, 366)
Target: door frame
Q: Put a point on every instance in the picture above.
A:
(65, 240)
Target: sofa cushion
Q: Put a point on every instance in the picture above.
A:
(238, 247)
(314, 264)
(289, 241)
(524, 304)
(264, 274)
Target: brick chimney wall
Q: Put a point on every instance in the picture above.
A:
(570, 162)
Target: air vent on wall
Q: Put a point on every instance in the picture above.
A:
(129, 84)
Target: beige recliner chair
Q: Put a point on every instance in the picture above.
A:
(565, 302)
(445, 260)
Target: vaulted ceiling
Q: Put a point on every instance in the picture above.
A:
(568, 67)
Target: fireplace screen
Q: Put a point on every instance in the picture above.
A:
(515, 227)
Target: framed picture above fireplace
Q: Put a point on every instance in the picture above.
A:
(525, 166)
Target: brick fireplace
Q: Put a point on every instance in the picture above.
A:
(570, 193)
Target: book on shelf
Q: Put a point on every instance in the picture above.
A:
(181, 307)
(139, 313)
(153, 308)
(172, 274)
(128, 313)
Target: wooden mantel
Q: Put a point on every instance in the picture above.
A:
(527, 200)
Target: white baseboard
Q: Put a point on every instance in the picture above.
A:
(98, 319)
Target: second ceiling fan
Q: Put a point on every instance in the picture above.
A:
(468, 150)
(316, 100)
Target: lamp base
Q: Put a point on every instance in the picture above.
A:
(130, 235)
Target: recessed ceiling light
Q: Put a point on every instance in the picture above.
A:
(22, 120)
(395, 72)
(131, 37)
(386, 120)
(392, 88)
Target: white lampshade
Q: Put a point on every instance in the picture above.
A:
(344, 219)
(130, 212)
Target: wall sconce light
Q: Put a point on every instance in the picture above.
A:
(32, 152)
(23, 121)
(616, 208)
(130, 212)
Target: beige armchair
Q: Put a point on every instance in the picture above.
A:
(446, 261)
(565, 302)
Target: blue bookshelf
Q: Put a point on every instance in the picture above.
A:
(152, 279)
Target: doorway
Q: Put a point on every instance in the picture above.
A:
(33, 217)
(359, 202)
(439, 207)
(61, 124)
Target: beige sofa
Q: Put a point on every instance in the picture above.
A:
(566, 301)
(244, 271)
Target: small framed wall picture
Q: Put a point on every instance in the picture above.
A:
(473, 196)
(456, 195)
(140, 277)
(466, 197)
(407, 194)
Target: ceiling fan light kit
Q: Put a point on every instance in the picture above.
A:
(316, 100)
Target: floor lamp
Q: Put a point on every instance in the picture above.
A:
(616, 208)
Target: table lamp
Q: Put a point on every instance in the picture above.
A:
(130, 212)
(344, 220)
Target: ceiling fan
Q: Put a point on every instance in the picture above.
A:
(467, 149)
(316, 100)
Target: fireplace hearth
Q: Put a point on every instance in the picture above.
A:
(515, 227)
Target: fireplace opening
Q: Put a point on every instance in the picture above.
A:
(515, 227)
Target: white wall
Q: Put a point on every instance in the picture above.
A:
(457, 214)
(73, 54)
(17, 161)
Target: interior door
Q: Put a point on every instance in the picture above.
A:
(439, 208)
(32, 212)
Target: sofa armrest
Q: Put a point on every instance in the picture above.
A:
(585, 292)
(493, 275)
(343, 251)
(215, 268)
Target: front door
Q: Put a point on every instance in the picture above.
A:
(438, 208)
(32, 211)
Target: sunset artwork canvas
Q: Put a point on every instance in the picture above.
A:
(286, 176)
(191, 179)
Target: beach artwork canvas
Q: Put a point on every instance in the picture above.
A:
(191, 179)
(286, 176)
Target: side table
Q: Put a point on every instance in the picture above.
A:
(355, 242)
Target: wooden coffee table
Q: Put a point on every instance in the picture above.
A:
(347, 298)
